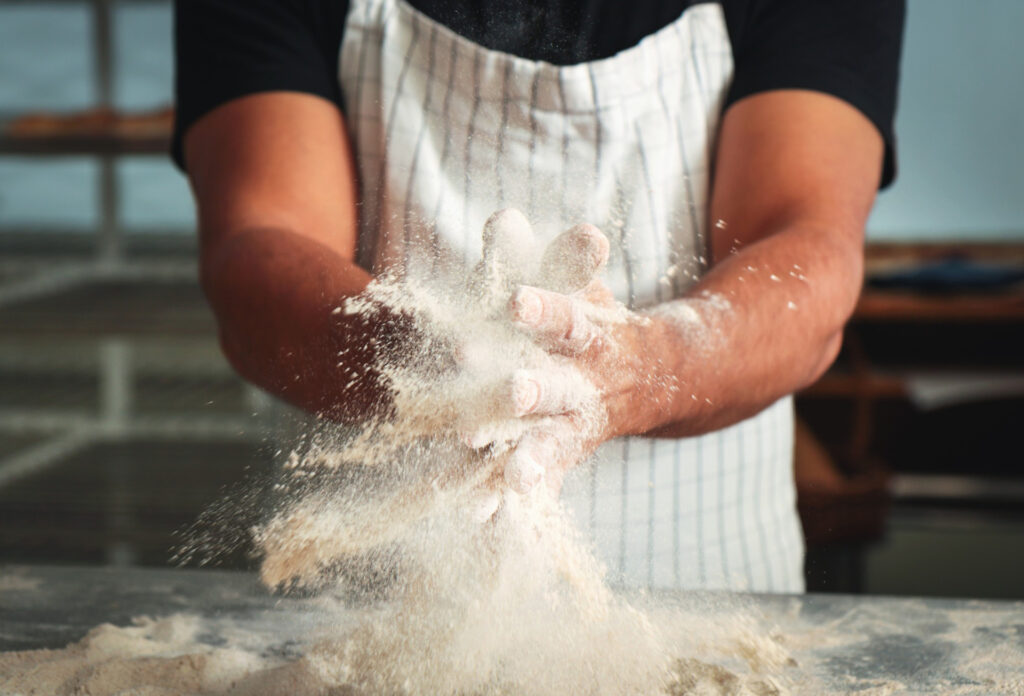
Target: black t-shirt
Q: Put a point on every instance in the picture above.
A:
(847, 48)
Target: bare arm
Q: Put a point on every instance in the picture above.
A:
(796, 178)
(275, 185)
(796, 175)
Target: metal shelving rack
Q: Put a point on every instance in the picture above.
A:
(114, 360)
(105, 148)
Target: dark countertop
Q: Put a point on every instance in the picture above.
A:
(841, 643)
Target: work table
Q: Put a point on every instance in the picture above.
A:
(846, 644)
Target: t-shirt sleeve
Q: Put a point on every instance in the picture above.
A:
(847, 48)
(226, 49)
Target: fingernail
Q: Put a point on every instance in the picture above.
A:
(525, 394)
(522, 473)
(592, 243)
(479, 438)
(527, 306)
(484, 507)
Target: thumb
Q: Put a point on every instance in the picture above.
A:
(557, 321)
(574, 259)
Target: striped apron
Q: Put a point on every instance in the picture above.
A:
(446, 131)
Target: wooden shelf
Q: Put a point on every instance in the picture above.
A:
(84, 144)
(101, 131)
(893, 305)
(871, 385)
(877, 304)
(881, 256)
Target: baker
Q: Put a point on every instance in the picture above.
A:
(730, 151)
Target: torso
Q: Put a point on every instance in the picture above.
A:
(446, 131)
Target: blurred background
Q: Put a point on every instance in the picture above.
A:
(120, 420)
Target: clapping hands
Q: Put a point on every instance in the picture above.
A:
(562, 306)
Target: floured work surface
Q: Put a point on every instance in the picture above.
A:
(220, 632)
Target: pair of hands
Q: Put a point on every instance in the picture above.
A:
(599, 369)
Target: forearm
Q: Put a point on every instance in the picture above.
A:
(274, 293)
(761, 324)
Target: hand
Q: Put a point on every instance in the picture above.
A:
(586, 393)
(615, 350)
(550, 408)
(611, 347)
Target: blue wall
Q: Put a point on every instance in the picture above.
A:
(960, 125)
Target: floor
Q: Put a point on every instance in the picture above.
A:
(120, 423)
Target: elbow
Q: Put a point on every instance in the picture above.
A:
(846, 291)
(829, 353)
(830, 343)
(849, 280)
(826, 353)
(237, 345)
(240, 360)
(218, 261)
(223, 278)
(214, 280)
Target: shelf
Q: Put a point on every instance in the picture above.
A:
(1005, 304)
(84, 144)
(873, 385)
(96, 131)
(884, 255)
(908, 306)
(65, 145)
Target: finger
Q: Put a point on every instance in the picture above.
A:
(479, 438)
(508, 242)
(557, 321)
(543, 454)
(483, 505)
(573, 259)
(597, 293)
(547, 392)
(498, 435)
(522, 470)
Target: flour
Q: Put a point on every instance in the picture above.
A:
(445, 511)
(174, 656)
(16, 582)
(150, 657)
(722, 644)
(516, 604)
(698, 319)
